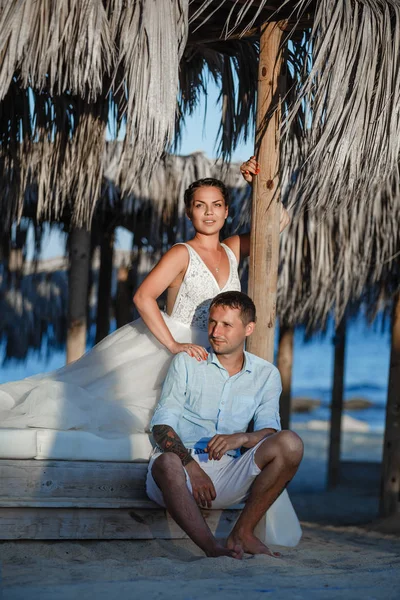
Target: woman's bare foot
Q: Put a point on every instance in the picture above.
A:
(234, 551)
(250, 543)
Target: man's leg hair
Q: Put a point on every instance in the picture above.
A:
(169, 475)
(278, 457)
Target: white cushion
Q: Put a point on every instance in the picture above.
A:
(82, 445)
(18, 443)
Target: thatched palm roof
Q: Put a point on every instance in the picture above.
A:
(70, 72)
(346, 103)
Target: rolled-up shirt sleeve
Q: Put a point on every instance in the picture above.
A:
(267, 412)
(173, 395)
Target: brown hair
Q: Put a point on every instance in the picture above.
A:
(206, 182)
(237, 300)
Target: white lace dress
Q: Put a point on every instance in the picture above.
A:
(115, 386)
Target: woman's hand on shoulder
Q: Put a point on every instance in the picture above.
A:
(194, 350)
(249, 169)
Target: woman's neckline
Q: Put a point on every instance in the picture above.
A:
(209, 270)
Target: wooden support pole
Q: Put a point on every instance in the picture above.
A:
(390, 489)
(264, 237)
(284, 364)
(123, 301)
(79, 251)
(337, 405)
(104, 286)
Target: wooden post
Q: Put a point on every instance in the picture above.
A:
(337, 405)
(264, 237)
(390, 490)
(104, 285)
(79, 251)
(284, 364)
(123, 301)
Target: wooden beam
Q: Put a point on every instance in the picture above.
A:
(73, 483)
(103, 524)
(79, 252)
(48, 499)
(337, 405)
(285, 364)
(264, 237)
(390, 487)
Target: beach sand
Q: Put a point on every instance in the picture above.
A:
(339, 556)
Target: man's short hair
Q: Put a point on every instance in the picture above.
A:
(237, 300)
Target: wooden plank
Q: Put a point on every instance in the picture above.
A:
(337, 405)
(390, 487)
(285, 364)
(102, 524)
(264, 237)
(76, 483)
(61, 502)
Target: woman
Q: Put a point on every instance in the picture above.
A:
(122, 375)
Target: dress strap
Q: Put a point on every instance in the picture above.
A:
(230, 253)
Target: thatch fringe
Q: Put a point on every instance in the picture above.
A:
(347, 97)
(330, 262)
(67, 69)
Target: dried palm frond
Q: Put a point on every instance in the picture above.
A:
(336, 262)
(63, 66)
(150, 37)
(233, 65)
(349, 96)
(56, 46)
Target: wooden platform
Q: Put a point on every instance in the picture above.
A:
(87, 500)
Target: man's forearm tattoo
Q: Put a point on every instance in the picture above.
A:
(169, 441)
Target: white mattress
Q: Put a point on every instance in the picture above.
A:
(48, 444)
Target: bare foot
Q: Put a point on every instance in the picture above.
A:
(250, 544)
(234, 551)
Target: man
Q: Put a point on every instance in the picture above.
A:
(201, 423)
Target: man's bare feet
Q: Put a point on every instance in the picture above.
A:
(234, 551)
(250, 544)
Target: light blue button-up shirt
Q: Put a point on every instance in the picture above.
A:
(200, 399)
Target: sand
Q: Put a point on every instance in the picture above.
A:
(340, 555)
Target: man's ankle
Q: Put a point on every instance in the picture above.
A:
(210, 546)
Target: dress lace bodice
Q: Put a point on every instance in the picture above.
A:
(199, 287)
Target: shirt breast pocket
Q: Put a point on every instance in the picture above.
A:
(243, 408)
(202, 408)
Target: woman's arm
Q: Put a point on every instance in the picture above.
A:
(157, 281)
(240, 244)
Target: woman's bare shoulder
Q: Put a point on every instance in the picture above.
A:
(176, 256)
(233, 242)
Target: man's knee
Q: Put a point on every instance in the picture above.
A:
(291, 446)
(166, 466)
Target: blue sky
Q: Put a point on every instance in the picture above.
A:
(199, 134)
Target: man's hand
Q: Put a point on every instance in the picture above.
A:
(202, 487)
(220, 444)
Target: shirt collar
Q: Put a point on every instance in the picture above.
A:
(212, 359)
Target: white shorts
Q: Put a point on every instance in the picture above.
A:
(232, 477)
